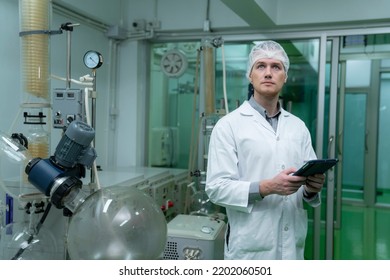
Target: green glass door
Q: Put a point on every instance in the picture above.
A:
(354, 145)
(383, 148)
(362, 201)
(363, 141)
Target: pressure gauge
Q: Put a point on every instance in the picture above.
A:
(93, 59)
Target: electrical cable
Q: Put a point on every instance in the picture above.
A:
(83, 83)
(224, 80)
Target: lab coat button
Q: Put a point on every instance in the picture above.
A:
(277, 138)
(286, 228)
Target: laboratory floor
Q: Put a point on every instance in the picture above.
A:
(363, 235)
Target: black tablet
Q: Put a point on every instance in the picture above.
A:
(316, 166)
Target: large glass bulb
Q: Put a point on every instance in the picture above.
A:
(13, 159)
(117, 223)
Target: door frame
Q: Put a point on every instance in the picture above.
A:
(331, 150)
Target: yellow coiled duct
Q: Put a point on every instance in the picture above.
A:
(35, 17)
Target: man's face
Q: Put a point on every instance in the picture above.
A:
(268, 77)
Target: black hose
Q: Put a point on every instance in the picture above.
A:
(30, 239)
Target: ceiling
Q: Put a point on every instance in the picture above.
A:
(279, 14)
(229, 16)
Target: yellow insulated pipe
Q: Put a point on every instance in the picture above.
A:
(209, 79)
(34, 21)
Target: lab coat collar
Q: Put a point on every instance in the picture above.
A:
(247, 110)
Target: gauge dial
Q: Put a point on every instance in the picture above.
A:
(93, 59)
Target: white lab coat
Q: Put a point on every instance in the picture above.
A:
(244, 148)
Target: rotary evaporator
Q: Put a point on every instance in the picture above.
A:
(95, 222)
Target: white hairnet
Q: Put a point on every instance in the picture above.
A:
(267, 49)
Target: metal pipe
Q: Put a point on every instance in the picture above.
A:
(93, 119)
(68, 58)
(330, 209)
(319, 139)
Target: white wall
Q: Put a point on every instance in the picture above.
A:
(9, 66)
(132, 91)
(107, 11)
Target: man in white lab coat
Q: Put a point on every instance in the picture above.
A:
(253, 152)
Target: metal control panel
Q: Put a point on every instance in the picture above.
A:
(68, 105)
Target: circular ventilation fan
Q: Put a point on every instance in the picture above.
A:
(174, 63)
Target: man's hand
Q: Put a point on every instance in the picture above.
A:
(314, 183)
(282, 184)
